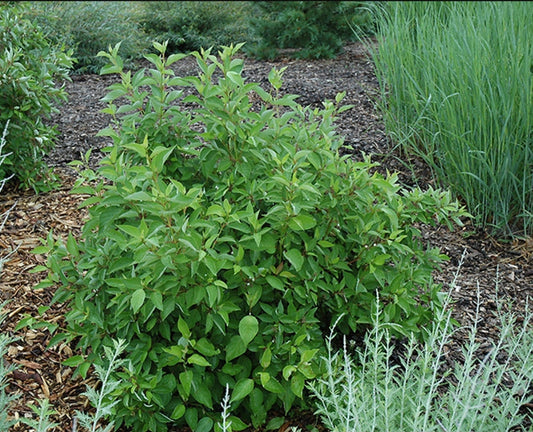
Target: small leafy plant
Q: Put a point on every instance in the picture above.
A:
(31, 85)
(224, 238)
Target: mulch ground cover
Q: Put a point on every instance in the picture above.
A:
(491, 269)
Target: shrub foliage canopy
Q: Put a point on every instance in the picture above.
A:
(225, 238)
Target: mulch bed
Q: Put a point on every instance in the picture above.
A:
(494, 270)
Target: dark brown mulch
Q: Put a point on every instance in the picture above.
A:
(491, 269)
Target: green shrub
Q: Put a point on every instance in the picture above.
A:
(457, 86)
(88, 27)
(222, 241)
(317, 29)
(31, 85)
(192, 25)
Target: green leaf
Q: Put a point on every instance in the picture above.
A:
(186, 381)
(184, 328)
(302, 222)
(139, 196)
(157, 299)
(72, 246)
(275, 424)
(73, 361)
(236, 423)
(202, 394)
(158, 158)
(235, 78)
(178, 412)
(203, 346)
(287, 371)
(248, 328)
(197, 359)
(308, 355)
(266, 358)
(295, 258)
(131, 230)
(242, 389)
(235, 348)
(140, 149)
(204, 425)
(275, 282)
(270, 383)
(298, 384)
(137, 300)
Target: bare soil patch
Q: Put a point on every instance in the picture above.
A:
(494, 270)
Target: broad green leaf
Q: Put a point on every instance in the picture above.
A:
(73, 361)
(235, 348)
(236, 423)
(287, 371)
(72, 246)
(140, 149)
(275, 423)
(204, 425)
(266, 358)
(242, 389)
(295, 258)
(275, 282)
(186, 381)
(235, 78)
(157, 299)
(158, 158)
(203, 346)
(203, 395)
(191, 417)
(197, 359)
(302, 222)
(264, 377)
(131, 230)
(270, 383)
(308, 355)
(248, 328)
(139, 196)
(184, 328)
(178, 412)
(137, 300)
(297, 384)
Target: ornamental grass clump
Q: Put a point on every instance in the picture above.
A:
(457, 90)
(223, 240)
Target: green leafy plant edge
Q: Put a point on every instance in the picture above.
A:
(225, 236)
(32, 76)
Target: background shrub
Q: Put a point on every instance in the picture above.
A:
(191, 25)
(32, 72)
(222, 241)
(457, 87)
(88, 27)
(316, 29)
